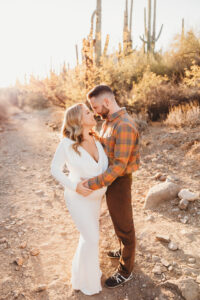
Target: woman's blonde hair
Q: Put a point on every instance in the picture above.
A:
(72, 125)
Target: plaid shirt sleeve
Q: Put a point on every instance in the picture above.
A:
(126, 139)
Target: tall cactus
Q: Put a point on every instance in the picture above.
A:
(106, 45)
(95, 44)
(98, 33)
(151, 38)
(127, 31)
(77, 60)
(183, 29)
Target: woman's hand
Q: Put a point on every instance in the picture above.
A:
(82, 188)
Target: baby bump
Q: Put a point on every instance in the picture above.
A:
(95, 195)
(80, 207)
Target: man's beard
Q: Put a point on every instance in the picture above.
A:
(104, 112)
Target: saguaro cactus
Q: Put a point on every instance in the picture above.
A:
(106, 45)
(77, 60)
(127, 31)
(183, 29)
(95, 44)
(151, 38)
(98, 32)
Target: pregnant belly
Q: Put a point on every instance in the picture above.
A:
(96, 194)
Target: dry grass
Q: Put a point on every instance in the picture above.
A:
(194, 152)
(3, 113)
(184, 115)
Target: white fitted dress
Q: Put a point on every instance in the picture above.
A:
(86, 273)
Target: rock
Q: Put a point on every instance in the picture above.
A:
(160, 193)
(189, 288)
(160, 176)
(41, 287)
(165, 262)
(6, 286)
(183, 204)
(163, 238)
(16, 294)
(170, 268)
(39, 193)
(176, 209)
(23, 245)
(155, 258)
(157, 270)
(3, 240)
(53, 126)
(157, 176)
(191, 270)
(172, 178)
(150, 218)
(19, 261)
(191, 260)
(198, 279)
(187, 195)
(163, 178)
(23, 168)
(34, 251)
(172, 246)
(184, 220)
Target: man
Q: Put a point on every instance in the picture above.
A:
(120, 139)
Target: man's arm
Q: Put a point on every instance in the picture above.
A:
(126, 139)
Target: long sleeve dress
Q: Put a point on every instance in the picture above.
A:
(86, 273)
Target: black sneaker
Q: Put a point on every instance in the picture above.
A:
(116, 280)
(114, 254)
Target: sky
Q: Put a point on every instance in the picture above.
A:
(38, 34)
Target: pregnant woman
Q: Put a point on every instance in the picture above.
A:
(85, 158)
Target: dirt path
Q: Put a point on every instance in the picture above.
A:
(36, 229)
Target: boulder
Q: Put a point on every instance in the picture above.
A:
(189, 288)
(183, 204)
(187, 195)
(172, 246)
(161, 192)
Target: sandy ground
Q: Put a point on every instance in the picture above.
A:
(38, 238)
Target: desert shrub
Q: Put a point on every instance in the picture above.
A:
(192, 76)
(194, 151)
(184, 115)
(120, 74)
(183, 52)
(61, 90)
(151, 83)
(33, 100)
(158, 101)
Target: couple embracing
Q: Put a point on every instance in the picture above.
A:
(98, 165)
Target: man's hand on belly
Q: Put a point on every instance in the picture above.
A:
(83, 189)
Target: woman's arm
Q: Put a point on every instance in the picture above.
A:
(57, 165)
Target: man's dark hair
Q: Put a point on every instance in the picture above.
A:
(99, 90)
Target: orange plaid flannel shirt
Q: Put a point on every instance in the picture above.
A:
(120, 140)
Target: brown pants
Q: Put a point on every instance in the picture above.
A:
(118, 198)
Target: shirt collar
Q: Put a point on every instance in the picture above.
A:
(117, 114)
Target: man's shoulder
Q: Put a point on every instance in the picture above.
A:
(126, 121)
